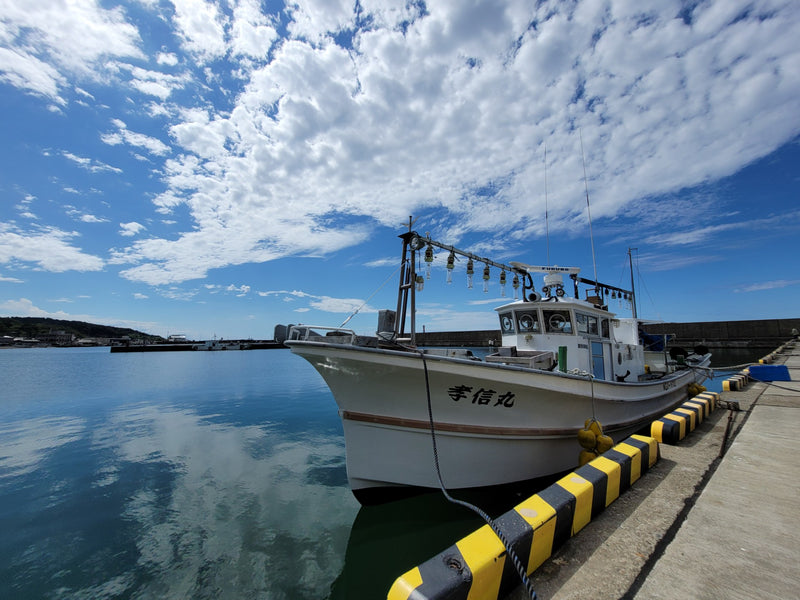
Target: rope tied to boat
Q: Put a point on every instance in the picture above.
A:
(489, 521)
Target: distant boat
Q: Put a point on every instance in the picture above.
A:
(509, 417)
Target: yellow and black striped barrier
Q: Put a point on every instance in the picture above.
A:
(475, 567)
(736, 383)
(674, 426)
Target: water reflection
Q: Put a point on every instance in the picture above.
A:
(161, 501)
(229, 511)
(26, 443)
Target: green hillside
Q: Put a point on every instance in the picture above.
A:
(33, 327)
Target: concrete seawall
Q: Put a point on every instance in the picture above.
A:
(767, 333)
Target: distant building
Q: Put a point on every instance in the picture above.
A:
(57, 338)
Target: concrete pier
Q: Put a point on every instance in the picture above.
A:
(697, 525)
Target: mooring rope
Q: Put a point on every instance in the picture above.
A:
(489, 521)
(773, 384)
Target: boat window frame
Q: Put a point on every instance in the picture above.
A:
(602, 326)
(587, 324)
(512, 320)
(547, 314)
(528, 312)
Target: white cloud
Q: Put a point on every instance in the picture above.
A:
(27, 72)
(130, 229)
(123, 135)
(43, 44)
(315, 19)
(155, 83)
(49, 248)
(90, 164)
(202, 28)
(322, 303)
(87, 218)
(301, 145)
(442, 115)
(241, 290)
(382, 262)
(252, 32)
(769, 285)
(702, 234)
(167, 58)
(339, 305)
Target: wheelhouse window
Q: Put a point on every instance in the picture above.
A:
(591, 325)
(528, 322)
(557, 321)
(604, 328)
(506, 323)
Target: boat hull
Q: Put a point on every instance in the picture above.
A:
(494, 424)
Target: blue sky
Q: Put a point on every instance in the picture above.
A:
(217, 168)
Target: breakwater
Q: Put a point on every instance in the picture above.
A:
(767, 333)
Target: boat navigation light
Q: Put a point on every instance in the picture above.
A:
(420, 282)
(451, 263)
(503, 284)
(470, 273)
(486, 276)
(515, 285)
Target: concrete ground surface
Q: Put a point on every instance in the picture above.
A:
(697, 525)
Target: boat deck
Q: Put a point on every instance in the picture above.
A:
(697, 526)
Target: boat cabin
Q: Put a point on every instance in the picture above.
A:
(572, 335)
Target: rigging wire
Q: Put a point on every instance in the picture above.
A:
(588, 210)
(380, 287)
(546, 215)
(489, 521)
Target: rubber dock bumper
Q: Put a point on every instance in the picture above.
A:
(475, 567)
(674, 426)
(736, 383)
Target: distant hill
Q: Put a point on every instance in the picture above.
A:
(33, 327)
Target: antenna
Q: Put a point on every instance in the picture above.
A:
(633, 290)
(588, 210)
(546, 216)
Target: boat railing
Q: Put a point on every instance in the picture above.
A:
(320, 333)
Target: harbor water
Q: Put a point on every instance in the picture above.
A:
(194, 474)
(190, 475)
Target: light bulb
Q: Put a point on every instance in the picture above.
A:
(451, 263)
(428, 261)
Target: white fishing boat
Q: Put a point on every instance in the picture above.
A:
(510, 416)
